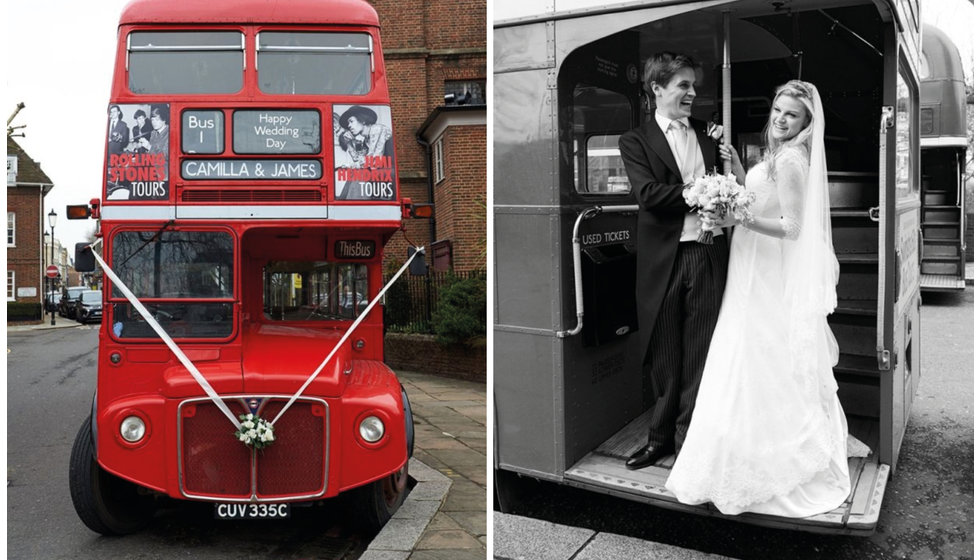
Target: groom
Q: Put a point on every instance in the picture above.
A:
(679, 281)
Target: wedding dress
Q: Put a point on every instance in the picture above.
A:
(763, 436)
(768, 434)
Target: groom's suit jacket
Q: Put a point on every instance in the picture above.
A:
(658, 187)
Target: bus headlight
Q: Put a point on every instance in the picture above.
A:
(372, 429)
(132, 429)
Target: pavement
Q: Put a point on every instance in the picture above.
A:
(524, 538)
(444, 516)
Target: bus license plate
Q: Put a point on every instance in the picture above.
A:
(251, 511)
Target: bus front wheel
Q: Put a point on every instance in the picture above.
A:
(377, 502)
(105, 503)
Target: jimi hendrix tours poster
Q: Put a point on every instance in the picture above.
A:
(364, 153)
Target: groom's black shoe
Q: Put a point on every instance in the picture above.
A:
(647, 455)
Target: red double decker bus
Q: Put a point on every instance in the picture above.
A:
(250, 186)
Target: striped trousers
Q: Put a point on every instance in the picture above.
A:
(681, 336)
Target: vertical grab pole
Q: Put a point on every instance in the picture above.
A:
(726, 83)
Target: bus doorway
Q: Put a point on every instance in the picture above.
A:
(570, 400)
(945, 139)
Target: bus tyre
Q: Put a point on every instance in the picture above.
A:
(511, 490)
(375, 503)
(409, 423)
(105, 503)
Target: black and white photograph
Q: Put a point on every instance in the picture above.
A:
(725, 238)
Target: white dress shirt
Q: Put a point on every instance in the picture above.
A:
(684, 146)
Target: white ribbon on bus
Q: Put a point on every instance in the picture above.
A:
(192, 369)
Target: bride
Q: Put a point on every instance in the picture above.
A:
(768, 434)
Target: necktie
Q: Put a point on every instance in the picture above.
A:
(678, 131)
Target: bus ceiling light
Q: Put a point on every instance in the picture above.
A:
(372, 429)
(132, 429)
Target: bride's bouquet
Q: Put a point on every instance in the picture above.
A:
(716, 196)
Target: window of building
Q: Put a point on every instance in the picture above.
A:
(438, 163)
(11, 285)
(465, 92)
(11, 229)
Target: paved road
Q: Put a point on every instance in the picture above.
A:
(928, 509)
(50, 383)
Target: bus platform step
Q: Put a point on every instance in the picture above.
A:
(941, 282)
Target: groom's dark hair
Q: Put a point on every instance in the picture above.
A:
(662, 66)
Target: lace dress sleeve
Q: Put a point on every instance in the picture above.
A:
(790, 191)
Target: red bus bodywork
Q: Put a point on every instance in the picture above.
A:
(188, 450)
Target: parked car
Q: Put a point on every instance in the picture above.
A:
(88, 306)
(68, 297)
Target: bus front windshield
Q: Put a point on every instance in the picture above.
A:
(314, 290)
(177, 275)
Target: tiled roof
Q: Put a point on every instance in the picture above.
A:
(28, 170)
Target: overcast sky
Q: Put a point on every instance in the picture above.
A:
(59, 58)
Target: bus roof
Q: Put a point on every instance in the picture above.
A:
(942, 96)
(319, 12)
(942, 56)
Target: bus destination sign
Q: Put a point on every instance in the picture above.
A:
(273, 131)
(353, 249)
(251, 169)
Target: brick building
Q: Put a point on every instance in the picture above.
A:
(27, 186)
(436, 59)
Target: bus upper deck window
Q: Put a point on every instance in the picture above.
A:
(315, 63)
(186, 61)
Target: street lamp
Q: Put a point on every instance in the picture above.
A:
(52, 220)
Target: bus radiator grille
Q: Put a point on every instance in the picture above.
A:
(216, 465)
(213, 462)
(296, 462)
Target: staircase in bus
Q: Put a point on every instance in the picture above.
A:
(943, 259)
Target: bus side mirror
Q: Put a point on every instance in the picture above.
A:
(84, 257)
(417, 267)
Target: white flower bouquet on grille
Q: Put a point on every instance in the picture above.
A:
(715, 197)
(255, 432)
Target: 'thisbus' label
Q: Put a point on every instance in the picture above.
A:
(364, 166)
(138, 147)
(353, 249)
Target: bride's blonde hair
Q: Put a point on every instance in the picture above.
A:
(802, 92)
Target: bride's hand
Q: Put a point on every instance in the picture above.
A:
(728, 153)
